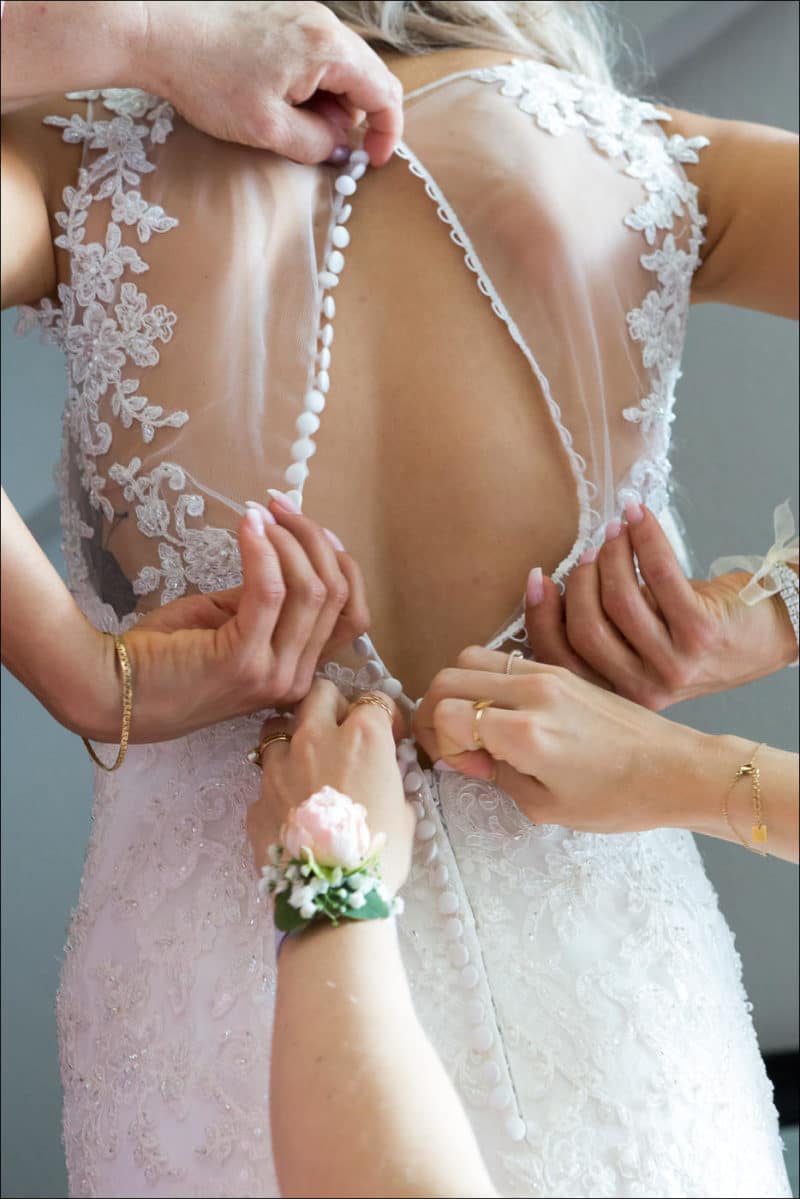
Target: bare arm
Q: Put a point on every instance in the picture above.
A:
(352, 1064)
(748, 180)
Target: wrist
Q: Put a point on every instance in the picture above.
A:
(88, 700)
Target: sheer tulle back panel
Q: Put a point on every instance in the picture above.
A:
(196, 301)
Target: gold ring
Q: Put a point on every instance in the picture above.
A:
(257, 754)
(376, 702)
(515, 653)
(480, 707)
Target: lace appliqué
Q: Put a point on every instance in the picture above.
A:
(105, 325)
(619, 126)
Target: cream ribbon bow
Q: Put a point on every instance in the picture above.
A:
(784, 552)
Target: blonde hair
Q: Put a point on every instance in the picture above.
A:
(573, 36)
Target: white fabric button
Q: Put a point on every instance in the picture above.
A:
(340, 237)
(481, 1039)
(516, 1128)
(328, 279)
(359, 158)
(315, 400)
(448, 903)
(306, 424)
(324, 358)
(345, 185)
(454, 929)
(344, 215)
(323, 381)
(296, 474)
(357, 172)
(329, 307)
(459, 954)
(490, 1074)
(392, 687)
(440, 875)
(303, 448)
(469, 977)
(425, 830)
(412, 782)
(500, 1098)
(362, 646)
(475, 1011)
(326, 335)
(373, 670)
(418, 810)
(407, 752)
(335, 262)
(431, 853)
(296, 498)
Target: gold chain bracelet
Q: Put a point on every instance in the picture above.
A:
(127, 708)
(758, 831)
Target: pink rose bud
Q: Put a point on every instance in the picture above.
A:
(332, 827)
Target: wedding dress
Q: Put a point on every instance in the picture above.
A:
(583, 991)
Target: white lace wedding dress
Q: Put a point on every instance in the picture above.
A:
(583, 991)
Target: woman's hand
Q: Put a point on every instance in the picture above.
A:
(671, 640)
(284, 77)
(207, 658)
(350, 748)
(566, 751)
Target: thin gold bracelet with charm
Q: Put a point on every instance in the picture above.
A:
(758, 831)
(127, 708)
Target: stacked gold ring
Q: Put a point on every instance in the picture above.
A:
(376, 702)
(255, 755)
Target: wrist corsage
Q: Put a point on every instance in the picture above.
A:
(326, 866)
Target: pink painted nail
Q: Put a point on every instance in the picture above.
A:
(613, 529)
(283, 501)
(634, 513)
(268, 518)
(535, 588)
(588, 556)
(334, 540)
(254, 521)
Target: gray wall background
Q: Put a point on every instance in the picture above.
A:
(735, 441)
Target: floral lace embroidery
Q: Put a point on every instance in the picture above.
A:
(101, 337)
(618, 126)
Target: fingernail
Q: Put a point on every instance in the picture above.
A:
(254, 521)
(535, 587)
(588, 556)
(269, 519)
(339, 155)
(334, 540)
(613, 529)
(634, 513)
(283, 501)
(443, 767)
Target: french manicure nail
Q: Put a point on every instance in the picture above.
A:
(613, 529)
(283, 501)
(443, 767)
(267, 516)
(588, 556)
(339, 155)
(334, 540)
(634, 513)
(535, 587)
(254, 521)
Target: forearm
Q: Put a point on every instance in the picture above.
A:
(70, 45)
(697, 785)
(48, 644)
(361, 1105)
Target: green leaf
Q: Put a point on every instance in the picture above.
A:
(374, 909)
(287, 918)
